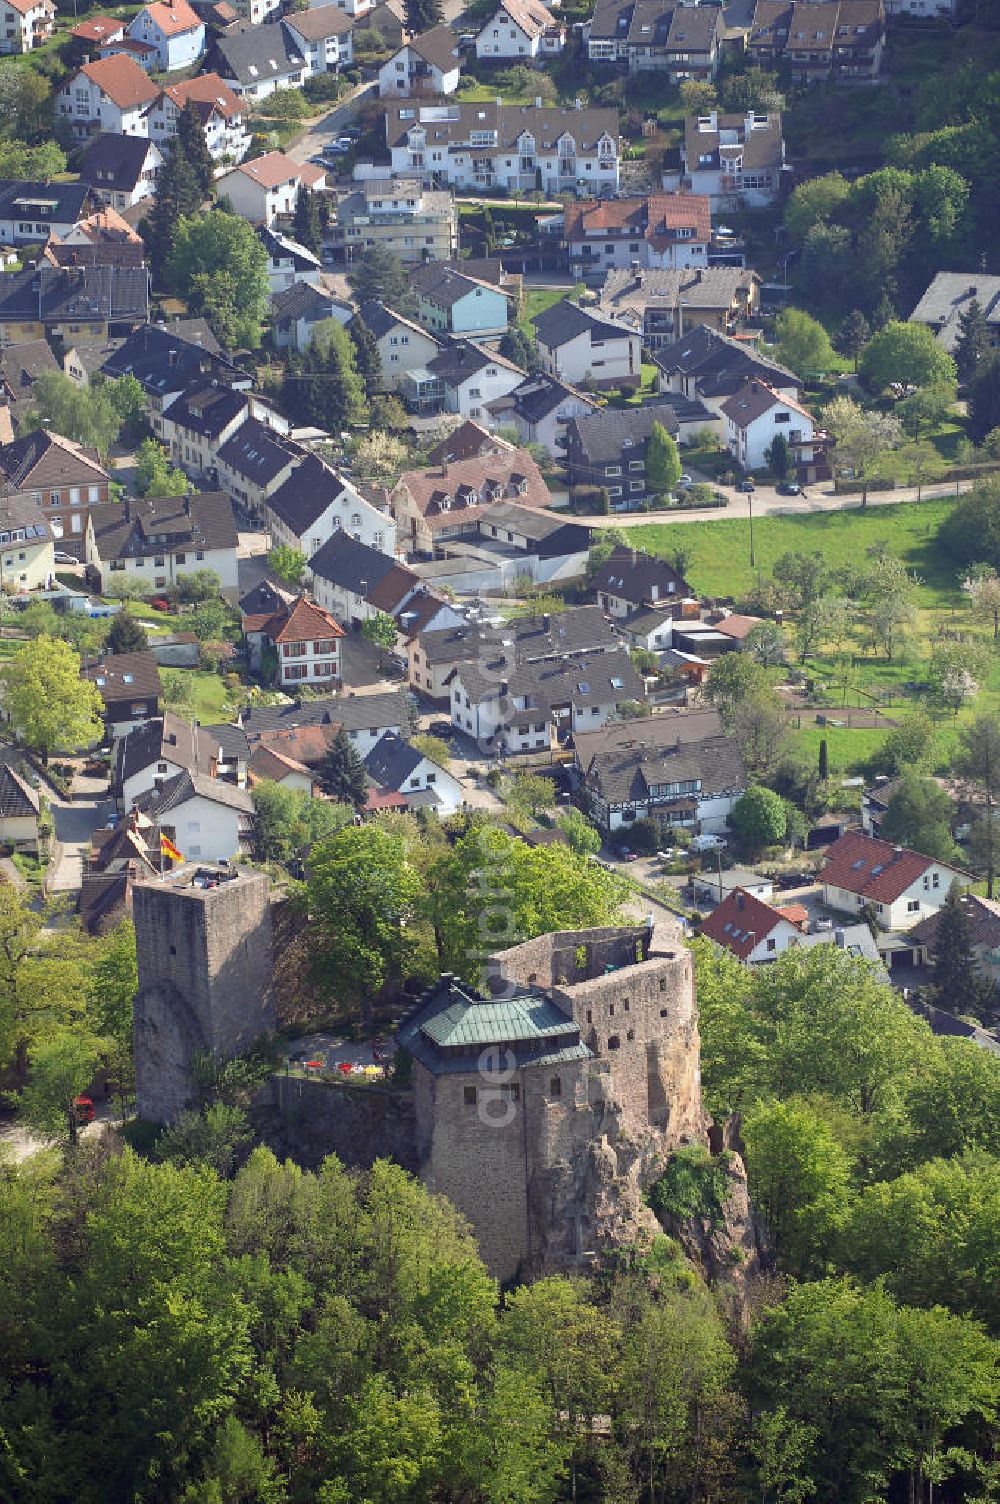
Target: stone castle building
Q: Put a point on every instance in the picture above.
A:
(546, 1108)
(203, 937)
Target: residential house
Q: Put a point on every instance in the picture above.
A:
(427, 64)
(256, 60)
(32, 212)
(268, 765)
(174, 32)
(165, 360)
(578, 345)
(297, 310)
(266, 188)
(660, 36)
(540, 410)
(843, 40)
(664, 305)
(154, 752)
(709, 367)
(521, 29)
(505, 544)
(19, 811)
(205, 818)
(325, 36)
(387, 21)
(437, 647)
(509, 706)
(220, 109)
(469, 441)
(464, 377)
(104, 237)
(65, 479)
(429, 506)
(161, 540)
(257, 607)
(449, 302)
(315, 502)
(25, 24)
(756, 415)
(948, 298)
(27, 552)
(20, 367)
(365, 718)
(608, 449)
(129, 849)
(347, 578)
(482, 145)
(121, 171)
(254, 463)
(112, 95)
(898, 885)
(922, 8)
(198, 422)
(983, 919)
(395, 766)
(687, 773)
(402, 345)
(305, 640)
(288, 262)
(756, 932)
(735, 160)
(660, 230)
(129, 684)
(97, 30)
(630, 581)
(77, 301)
(414, 222)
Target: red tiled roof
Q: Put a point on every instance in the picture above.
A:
(122, 80)
(97, 29)
(740, 923)
(208, 89)
(650, 217)
(303, 744)
(738, 627)
(383, 799)
(271, 170)
(268, 762)
(172, 16)
(795, 913)
(875, 869)
(305, 621)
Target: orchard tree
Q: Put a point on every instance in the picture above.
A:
(663, 465)
(977, 763)
(982, 585)
(863, 439)
(907, 354)
(49, 706)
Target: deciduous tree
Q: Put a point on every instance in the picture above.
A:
(907, 354)
(48, 704)
(919, 815)
(863, 439)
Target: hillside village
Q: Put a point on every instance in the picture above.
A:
(500, 751)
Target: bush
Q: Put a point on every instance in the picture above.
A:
(325, 86)
(693, 1185)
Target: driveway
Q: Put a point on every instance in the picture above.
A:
(319, 134)
(75, 822)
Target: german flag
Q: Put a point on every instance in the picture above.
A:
(167, 848)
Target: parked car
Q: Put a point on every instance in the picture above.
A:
(789, 488)
(62, 558)
(685, 479)
(625, 855)
(440, 728)
(746, 485)
(160, 603)
(708, 843)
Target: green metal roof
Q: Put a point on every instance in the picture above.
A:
(468, 1022)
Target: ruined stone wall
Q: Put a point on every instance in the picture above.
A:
(306, 1119)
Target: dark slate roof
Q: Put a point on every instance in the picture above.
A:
(606, 434)
(450, 1027)
(302, 301)
(464, 359)
(116, 162)
(530, 522)
(124, 676)
(206, 408)
(56, 203)
(639, 577)
(720, 363)
(230, 740)
(252, 54)
(393, 760)
(282, 248)
(306, 494)
(624, 774)
(257, 452)
(174, 792)
(598, 679)
(583, 629)
(203, 520)
(443, 284)
(164, 360)
(353, 712)
(53, 294)
(351, 564)
(379, 319)
(22, 364)
(565, 321)
(540, 395)
(18, 799)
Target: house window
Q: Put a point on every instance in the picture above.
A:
(913, 905)
(555, 1087)
(469, 1096)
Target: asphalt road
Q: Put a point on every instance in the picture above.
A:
(318, 135)
(767, 502)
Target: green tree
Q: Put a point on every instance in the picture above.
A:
(663, 465)
(955, 977)
(927, 407)
(972, 345)
(366, 356)
(46, 701)
(85, 414)
(216, 251)
(853, 336)
(520, 345)
(322, 384)
(307, 228)
(918, 463)
(380, 275)
(178, 195)
(733, 679)
(63, 1064)
(753, 89)
(919, 815)
(381, 630)
(802, 343)
(815, 202)
(126, 635)
(824, 760)
(421, 15)
(343, 771)
(908, 354)
(113, 984)
(977, 762)
(806, 576)
(287, 563)
(983, 397)
(154, 475)
(579, 833)
(192, 143)
(863, 439)
(530, 792)
(759, 817)
(800, 1179)
(778, 456)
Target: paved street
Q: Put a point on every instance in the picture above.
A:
(75, 821)
(767, 502)
(318, 135)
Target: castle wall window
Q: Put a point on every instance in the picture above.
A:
(470, 1096)
(555, 1087)
(614, 1043)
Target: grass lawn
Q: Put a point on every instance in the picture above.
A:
(719, 559)
(537, 299)
(209, 700)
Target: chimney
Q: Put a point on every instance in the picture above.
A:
(699, 275)
(897, 852)
(187, 506)
(126, 508)
(504, 686)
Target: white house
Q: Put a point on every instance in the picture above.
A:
(468, 377)
(756, 415)
(266, 188)
(121, 170)
(427, 64)
(315, 502)
(757, 933)
(577, 345)
(25, 24)
(220, 109)
(326, 36)
(402, 345)
(900, 885)
(151, 752)
(18, 810)
(521, 29)
(206, 818)
(540, 408)
(173, 29)
(112, 94)
(399, 768)
(161, 540)
(271, 766)
(306, 640)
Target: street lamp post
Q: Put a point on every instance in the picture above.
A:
(750, 507)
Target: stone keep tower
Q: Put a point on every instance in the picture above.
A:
(203, 936)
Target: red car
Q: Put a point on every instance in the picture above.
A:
(83, 1110)
(629, 856)
(160, 603)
